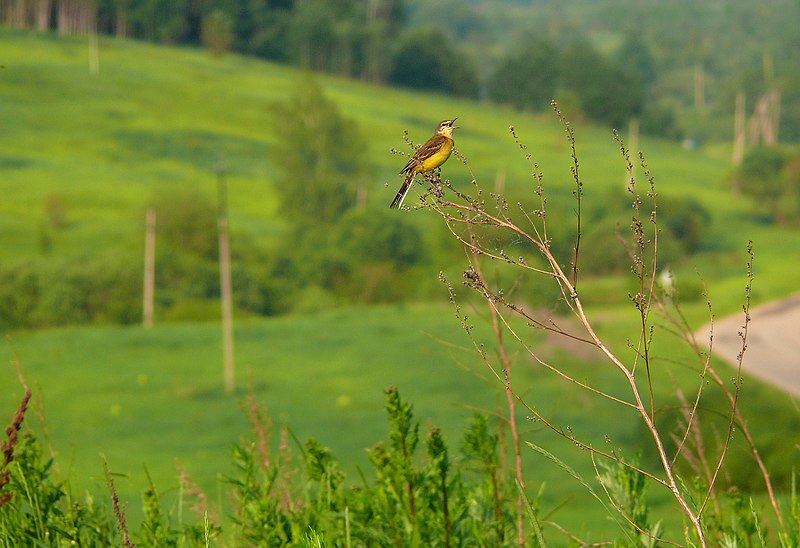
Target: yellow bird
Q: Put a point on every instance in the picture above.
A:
(429, 156)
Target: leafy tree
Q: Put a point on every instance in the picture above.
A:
(607, 91)
(261, 27)
(426, 60)
(159, 20)
(760, 177)
(791, 184)
(217, 32)
(682, 222)
(527, 78)
(312, 33)
(760, 172)
(187, 222)
(379, 236)
(462, 20)
(333, 250)
(790, 105)
(659, 120)
(385, 20)
(636, 56)
(321, 157)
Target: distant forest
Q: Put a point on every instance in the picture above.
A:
(682, 68)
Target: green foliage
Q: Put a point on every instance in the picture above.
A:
(154, 530)
(355, 253)
(790, 536)
(98, 288)
(321, 156)
(41, 512)
(771, 177)
(659, 120)
(663, 42)
(627, 489)
(607, 91)
(371, 255)
(380, 236)
(426, 60)
(480, 450)
(157, 20)
(217, 32)
(107, 287)
(760, 172)
(314, 32)
(635, 54)
(141, 153)
(186, 222)
(683, 220)
(527, 78)
(349, 37)
(683, 224)
(44, 512)
(415, 499)
(262, 28)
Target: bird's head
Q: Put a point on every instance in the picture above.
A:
(446, 127)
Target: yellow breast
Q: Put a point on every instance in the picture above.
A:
(438, 158)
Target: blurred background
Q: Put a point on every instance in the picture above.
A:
(195, 200)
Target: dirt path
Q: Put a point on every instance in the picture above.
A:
(773, 342)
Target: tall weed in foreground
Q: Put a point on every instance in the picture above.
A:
(34, 509)
(417, 497)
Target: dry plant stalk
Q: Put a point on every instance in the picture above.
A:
(261, 426)
(512, 407)
(260, 422)
(8, 445)
(38, 405)
(195, 493)
(467, 215)
(122, 523)
(703, 354)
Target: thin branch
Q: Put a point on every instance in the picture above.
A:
(737, 379)
(512, 419)
(578, 192)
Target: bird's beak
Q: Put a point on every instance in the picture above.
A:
(455, 126)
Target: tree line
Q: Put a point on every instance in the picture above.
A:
(349, 37)
(369, 40)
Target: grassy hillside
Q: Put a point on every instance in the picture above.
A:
(97, 148)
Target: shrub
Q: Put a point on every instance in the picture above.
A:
(43, 292)
(186, 222)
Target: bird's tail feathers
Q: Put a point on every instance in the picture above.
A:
(401, 194)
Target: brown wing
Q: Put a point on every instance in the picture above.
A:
(425, 151)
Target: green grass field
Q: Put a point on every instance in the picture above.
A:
(157, 117)
(145, 398)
